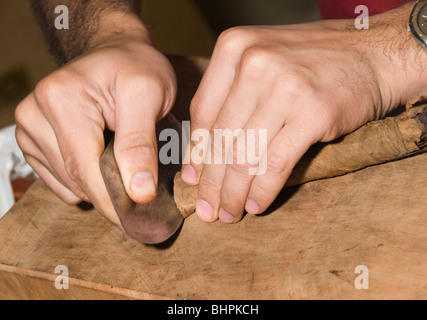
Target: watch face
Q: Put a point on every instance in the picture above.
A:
(422, 19)
(418, 21)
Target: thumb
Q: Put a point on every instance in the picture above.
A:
(135, 148)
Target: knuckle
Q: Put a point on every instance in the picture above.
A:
(198, 153)
(222, 143)
(43, 89)
(232, 202)
(208, 187)
(239, 154)
(20, 115)
(228, 199)
(135, 143)
(261, 192)
(257, 58)
(217, 152)
(233, 39)
(240, 164)
(276, 164)
(295, 81)
(47, 91)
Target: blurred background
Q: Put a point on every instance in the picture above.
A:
(183, 27)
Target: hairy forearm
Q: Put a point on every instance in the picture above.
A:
(90, 21)
(400, 57)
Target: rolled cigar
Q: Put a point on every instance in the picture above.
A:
(376, 142)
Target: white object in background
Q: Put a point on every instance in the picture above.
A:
(12, 166)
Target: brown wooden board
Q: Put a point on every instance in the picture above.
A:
(306, 247)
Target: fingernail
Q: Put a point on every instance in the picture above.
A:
(143, 184)
(189, 175)
(252, 207)
(225, 216)
(204, 210)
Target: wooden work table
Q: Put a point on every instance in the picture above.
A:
(306, 247)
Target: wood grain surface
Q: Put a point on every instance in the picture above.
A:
(306, 247)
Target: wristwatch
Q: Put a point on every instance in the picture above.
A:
(418, 21)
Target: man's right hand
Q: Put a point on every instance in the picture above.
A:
(122, 84)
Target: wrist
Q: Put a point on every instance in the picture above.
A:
(399, 58)
(117, 27)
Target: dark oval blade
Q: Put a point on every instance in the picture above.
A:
(150, 223)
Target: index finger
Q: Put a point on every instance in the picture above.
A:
(211, 95)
